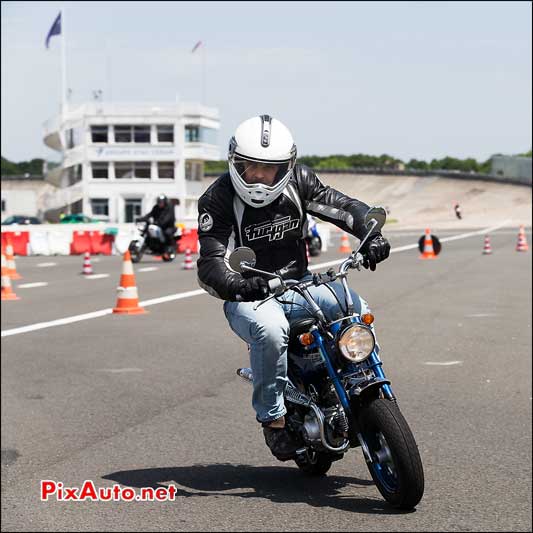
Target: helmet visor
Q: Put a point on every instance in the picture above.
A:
(266, 173)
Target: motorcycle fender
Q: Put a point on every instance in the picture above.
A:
(362, 388)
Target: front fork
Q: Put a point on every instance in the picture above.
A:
(375, 364)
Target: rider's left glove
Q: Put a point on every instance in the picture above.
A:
(375, 250)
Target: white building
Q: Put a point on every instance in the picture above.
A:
(117, 158)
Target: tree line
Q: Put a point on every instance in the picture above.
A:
(385, 161)
(330, 162)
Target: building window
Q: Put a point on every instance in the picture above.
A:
(193, 170)
(165, 134)
(128, 134)
(123, 134)
(200, 134)
(141, 134)
(165, 169)
(129, 170)
(100, 206)
(192, 134)
(98, 134)
(3, 205)
(133, 209)
(73, 174)
(100, 170)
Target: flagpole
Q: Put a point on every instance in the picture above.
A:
(63, 63)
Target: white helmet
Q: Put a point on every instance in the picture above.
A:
(262, 140)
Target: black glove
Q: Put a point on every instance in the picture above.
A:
(375, 250)
(252, 289)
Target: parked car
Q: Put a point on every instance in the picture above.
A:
(76, 218)
(21, 219)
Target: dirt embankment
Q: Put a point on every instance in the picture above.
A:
(416, 202)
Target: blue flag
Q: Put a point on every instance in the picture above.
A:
(55, 29)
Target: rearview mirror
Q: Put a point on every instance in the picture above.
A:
(379, 215)
(243, 254)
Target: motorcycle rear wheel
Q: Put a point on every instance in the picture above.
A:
(396, 466)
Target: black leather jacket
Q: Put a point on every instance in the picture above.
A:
(275, 232)
(163, 217)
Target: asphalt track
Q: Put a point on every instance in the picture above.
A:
(153, 400)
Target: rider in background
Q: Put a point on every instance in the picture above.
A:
(262, 203)
(164, 217)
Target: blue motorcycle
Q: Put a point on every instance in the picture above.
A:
(337, 396)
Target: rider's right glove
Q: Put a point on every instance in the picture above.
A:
(375, 250)
(252, 289)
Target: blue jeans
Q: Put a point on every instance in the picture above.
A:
(266, 331)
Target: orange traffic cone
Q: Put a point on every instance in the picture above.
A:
(521, 245)
(7, 292)
(345, 244)
(128, 299)
(188, 264)
(486, 247)
(87, 267)
(428, 252)
(11, 267)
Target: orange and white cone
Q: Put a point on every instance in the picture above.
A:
(87, 267)
(428, 252)
(188, 264)
(345, 247)
(486, 247)
(11, 267)
(128, 299)
(7, 291)
(521, 245)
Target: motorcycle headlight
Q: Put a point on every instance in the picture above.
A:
(356, 343)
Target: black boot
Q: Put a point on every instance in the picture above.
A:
(282, 443)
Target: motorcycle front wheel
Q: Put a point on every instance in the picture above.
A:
(396, 467)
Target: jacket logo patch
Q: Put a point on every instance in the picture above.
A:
(273, 230)
(205, 222)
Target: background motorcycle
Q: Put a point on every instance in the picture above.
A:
(151, 240)
(313, 240)
(337, 395)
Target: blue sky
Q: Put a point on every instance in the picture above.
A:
(411, 79)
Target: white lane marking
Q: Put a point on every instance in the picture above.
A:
(30, 285)
(443, 363)
(148, 269)
(179, 296)
(481, 315)
(169, 298)
(46, 264)
(59, 322)
(119, 370)
(96, 276)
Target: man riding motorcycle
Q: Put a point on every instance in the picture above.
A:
(164, 217)
(262, 203)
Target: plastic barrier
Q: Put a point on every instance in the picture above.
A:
(19, 240)
(81, 242)
(39, 243)
(189, 240)
(100, 242)
(59, 242)
(123, 239)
